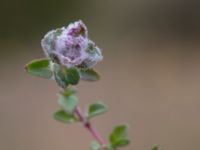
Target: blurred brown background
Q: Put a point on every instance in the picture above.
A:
(150, 73)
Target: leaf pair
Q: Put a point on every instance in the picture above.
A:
(68, 105)
(68, 102)
(64, 76)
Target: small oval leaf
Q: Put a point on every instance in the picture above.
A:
(68, 103)
(40, 68)
(120, 143)
(62, 116)
(97, 108)
(72, 76)
(118, 137)
(60, 75)
(155, 148)
(89, 75)
(95, 145)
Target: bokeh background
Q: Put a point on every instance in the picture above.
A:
(150, 73)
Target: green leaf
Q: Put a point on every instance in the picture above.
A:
(40, 68)
(118, 137)
(65, 76)
(119, 132)
(62, 116)
(109, 147)
(120, 143)
(95, 145)
(96, 109)
(155, 148)
(72, 76)
(59, 75)
(89, 74)
(68, 103)
(68, 91)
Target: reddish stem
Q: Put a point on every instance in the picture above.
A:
(89, 127)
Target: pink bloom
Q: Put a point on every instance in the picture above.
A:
(71, 47)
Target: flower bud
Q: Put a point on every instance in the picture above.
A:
(71, 47)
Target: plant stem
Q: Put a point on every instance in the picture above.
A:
(89, 126)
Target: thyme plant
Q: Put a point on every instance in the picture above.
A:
(71, 57)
